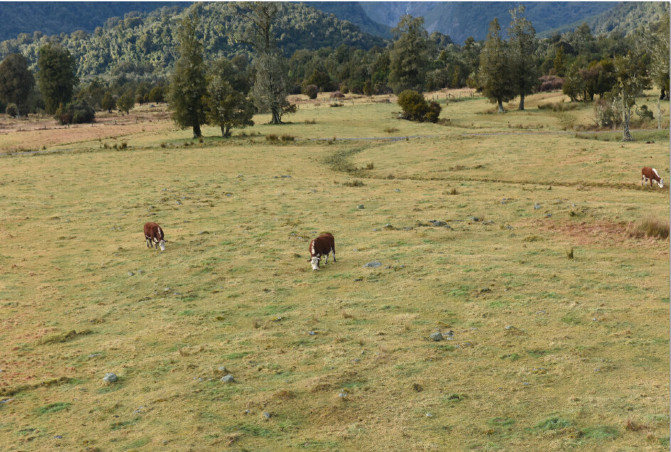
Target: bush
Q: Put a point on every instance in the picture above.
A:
(644, 113)
(311, 91)
(416, 108)
(75, 113)
(550, 83)
(12, 110)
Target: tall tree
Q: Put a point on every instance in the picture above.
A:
(409, 55)
(658, 47)
(228, 87)
(522, 48)
(188, 85)
(56, 77)
(495, 72)
(271, 85)
(16, 81)
(632, 78)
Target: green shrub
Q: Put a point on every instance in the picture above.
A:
(12, 110)
(311, 91)
(416, 108)
(75, 113)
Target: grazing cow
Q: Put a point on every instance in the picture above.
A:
(321, 246)
(651, 175)
(153, 234)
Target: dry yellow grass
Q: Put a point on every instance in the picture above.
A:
(545, 352)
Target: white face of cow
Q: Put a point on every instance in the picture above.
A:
(161, 244)
(315, 263)
(661, 183)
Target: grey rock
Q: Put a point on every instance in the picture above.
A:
(266, 415)
(110, 378)
(398, 190)
(373, 264)
(131, 273)
(437, 223)
(203, 232)
(537, 206)
(312, 333)
(437, 336)
(360, 206)
(228, 379)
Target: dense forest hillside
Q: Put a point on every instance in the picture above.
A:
(460, 20)
(146, 43)
(52, 18)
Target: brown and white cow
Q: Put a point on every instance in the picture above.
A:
(321, 246)
(651, 175)
(153, 234)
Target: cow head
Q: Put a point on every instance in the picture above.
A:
(315, 262)
(161, 244)
(661, 183)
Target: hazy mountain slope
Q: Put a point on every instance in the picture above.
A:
(460, 20)
(65, 17)
(353, 12)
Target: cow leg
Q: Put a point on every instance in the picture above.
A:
(148, 242)
(333, 249)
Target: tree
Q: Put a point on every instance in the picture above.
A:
(108, 102)
(522, 48)
(494, 74)
(228, 103)
(188, 85)
(410, 55)
(56, 77)
(271, 86)
(16, 81)
(559, 62)
(632, 77)
(658, 47)
(127, 101)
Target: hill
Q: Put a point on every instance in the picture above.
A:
(52, 18)
(145, 43)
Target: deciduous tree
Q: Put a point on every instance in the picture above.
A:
(56, 77)
(16, 81)
(228, 101)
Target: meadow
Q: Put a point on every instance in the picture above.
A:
(522, 238)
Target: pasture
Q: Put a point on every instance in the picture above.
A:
(512, 235)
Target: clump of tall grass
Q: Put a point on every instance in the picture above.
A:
(559, 106)
(649, 227)
(271, 137)
(286, 138)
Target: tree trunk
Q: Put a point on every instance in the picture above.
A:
(521, 102)
(659, 114)
(500, 104)
(626, 135)
(196, 131)
(277, 116)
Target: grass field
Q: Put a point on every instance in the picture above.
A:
(512, 235)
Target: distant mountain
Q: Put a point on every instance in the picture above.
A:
(460, 20)
(52, 18)
(353, 12)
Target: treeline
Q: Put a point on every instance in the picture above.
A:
(131, 60)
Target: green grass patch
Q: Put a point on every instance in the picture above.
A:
(54, 408)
